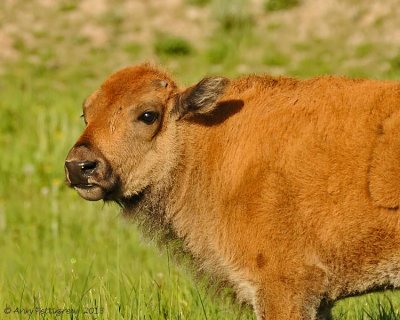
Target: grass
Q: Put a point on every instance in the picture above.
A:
(172, 46)
(58, 251)
(277, 5)
(200, 3)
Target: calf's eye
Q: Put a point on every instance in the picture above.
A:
(148, 117)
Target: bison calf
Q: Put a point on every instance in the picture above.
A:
(287, 189)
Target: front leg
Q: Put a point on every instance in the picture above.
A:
(281, 304)
(293, 298)
(325, 310)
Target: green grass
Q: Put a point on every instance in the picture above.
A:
(200, 3)
(277, 5)
(172, 46)
(58, 251)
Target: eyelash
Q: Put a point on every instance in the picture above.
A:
(83, 117)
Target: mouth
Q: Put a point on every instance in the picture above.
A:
(84, 186)
(91, 192)
(110, 192)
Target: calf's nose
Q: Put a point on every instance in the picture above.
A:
(78, 172)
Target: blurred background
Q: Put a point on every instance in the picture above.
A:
(58, 251)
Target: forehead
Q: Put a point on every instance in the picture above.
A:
(131, 84)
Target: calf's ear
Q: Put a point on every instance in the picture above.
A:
(201, 98)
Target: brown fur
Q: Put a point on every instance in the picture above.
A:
(287, 189)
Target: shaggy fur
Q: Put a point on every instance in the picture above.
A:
(287, 189)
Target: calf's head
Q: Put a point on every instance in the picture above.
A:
(131, 135)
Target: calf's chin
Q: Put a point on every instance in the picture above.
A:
(91, 192)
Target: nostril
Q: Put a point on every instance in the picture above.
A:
(87, 167)
(79, 172)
